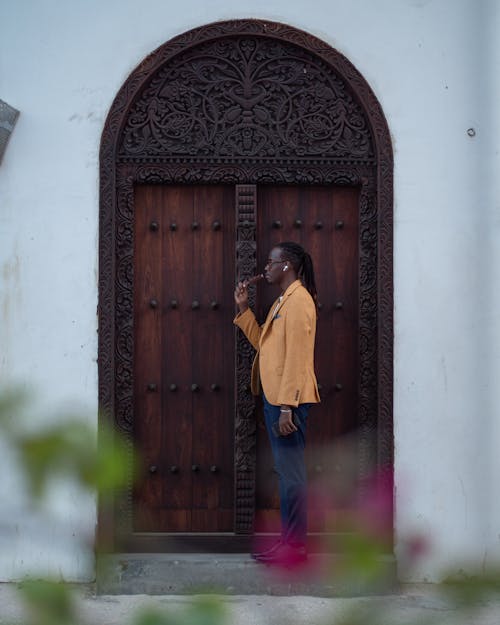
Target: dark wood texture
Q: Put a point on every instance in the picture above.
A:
(245, 427)
(184, 358)
(283, 108)
(246, 98)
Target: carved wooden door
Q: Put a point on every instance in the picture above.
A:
(184, 358)
(245, 103)
(184, 343)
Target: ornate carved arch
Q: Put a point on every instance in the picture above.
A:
(247, 101)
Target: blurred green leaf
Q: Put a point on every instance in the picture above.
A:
(154, 616)
(12, 403)
(48, 603)
(472, 590)
(361, 562)
(70, 449)
(206, 610)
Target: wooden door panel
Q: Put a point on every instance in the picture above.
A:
(176, 204)
(186, 343)
(213, 359)
(324, 220)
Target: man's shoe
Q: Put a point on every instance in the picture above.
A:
(284, 555)
(266, 552)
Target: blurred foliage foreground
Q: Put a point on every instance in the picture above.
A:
(68, 448)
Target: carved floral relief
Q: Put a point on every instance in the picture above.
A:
(246, 98)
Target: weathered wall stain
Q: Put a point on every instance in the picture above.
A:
(10, 301)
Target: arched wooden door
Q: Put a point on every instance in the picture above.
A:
(228, 139)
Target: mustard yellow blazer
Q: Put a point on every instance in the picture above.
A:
(285, 348)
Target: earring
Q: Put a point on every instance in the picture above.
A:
(285, 267)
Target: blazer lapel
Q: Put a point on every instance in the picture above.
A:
(277, 306)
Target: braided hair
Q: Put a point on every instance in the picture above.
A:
(302, 264)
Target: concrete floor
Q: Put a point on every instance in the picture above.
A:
(413, 605)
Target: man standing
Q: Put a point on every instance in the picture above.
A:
(283, 370)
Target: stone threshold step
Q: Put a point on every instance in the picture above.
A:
(235, 574)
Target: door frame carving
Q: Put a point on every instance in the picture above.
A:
(121, 168)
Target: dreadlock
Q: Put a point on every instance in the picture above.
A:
(302, 264)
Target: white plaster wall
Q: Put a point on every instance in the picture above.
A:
(490, 352)
(433, 65)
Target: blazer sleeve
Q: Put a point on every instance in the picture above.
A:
(248, 324)
(299, 337)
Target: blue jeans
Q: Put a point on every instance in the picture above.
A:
(288, 456)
